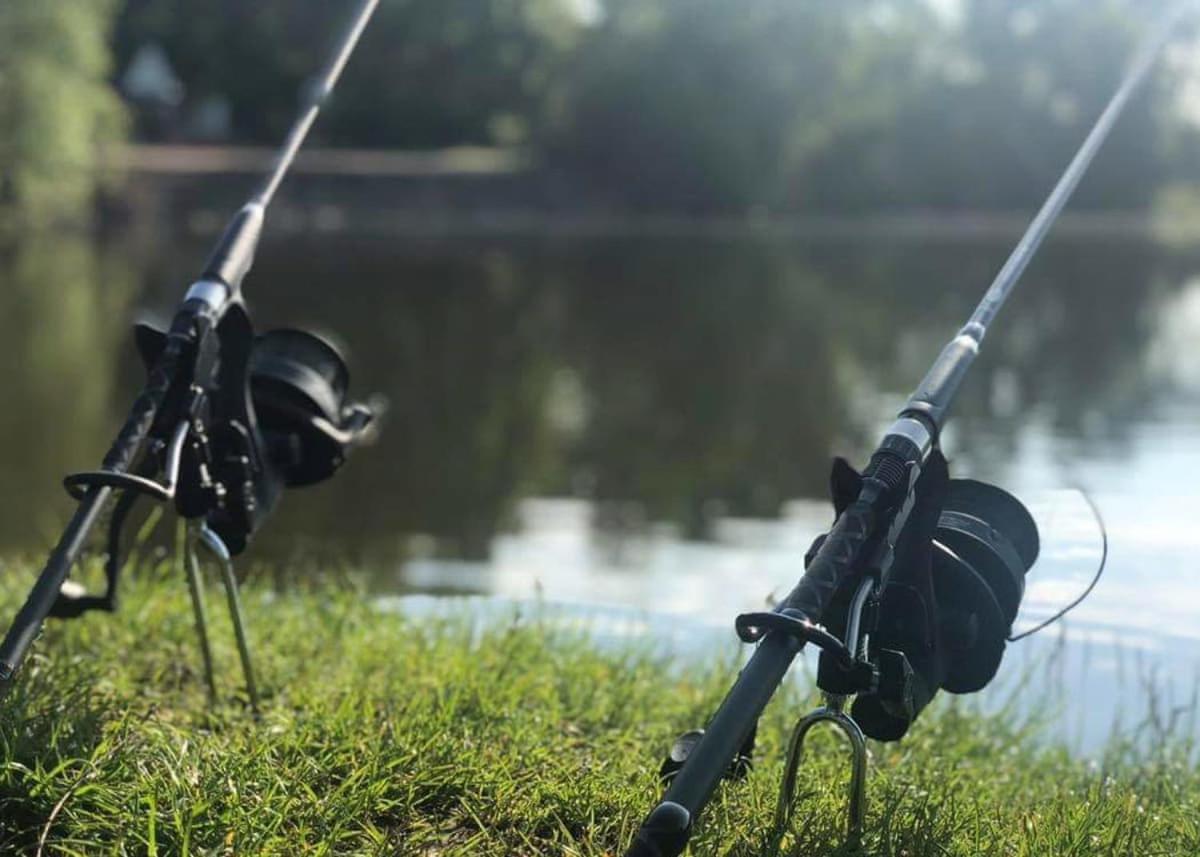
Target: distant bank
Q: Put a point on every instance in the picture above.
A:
(482, 191)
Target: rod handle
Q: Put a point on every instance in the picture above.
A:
(144, 412)
(45, 591)
(664, 833)
(842, 551)
(835, 561)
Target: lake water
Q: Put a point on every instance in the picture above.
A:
(638, 428)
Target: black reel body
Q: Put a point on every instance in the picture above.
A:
(946, 603)
(298, 384)
(940, 615)
(274, 415)
(247, 416)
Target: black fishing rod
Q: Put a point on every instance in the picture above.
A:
(914, 588)
(226, 420)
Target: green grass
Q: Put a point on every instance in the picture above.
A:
(383, 735)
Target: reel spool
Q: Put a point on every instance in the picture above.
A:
(984, 544)
(298, 384)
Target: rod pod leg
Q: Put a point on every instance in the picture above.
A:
(218, 549)
(191, 566)
(856, 807)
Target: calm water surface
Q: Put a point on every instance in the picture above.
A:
(642, 427)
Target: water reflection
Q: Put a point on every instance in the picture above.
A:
(63, 319)
(464, 346)
(669, 380)
(708, 373)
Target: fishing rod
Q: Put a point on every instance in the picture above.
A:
(914, 588)
(226, 420)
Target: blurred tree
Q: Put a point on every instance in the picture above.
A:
(803, 106)
(429, 72)
(704, 366)
(706, 105)
(710, 104)
(57, 111)
(998, 100)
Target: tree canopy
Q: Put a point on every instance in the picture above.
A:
(428, 73)
(56, 109)
(696, 106)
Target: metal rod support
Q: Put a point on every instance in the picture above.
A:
(856, 806)
(832, 712)
(218, 549)
(196, 588)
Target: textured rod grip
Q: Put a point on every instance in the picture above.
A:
(843, 548)
(145, 409)
(834, 561)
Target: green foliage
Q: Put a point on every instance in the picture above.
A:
(57, 112)
(457, 71)
(704, 103)
(804, 106)
(428, 73)
(392, 735)
(998, 100)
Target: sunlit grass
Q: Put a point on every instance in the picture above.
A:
(387, 735)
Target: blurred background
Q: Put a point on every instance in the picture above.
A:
(629, 272)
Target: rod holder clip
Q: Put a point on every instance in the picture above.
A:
(201, 536)
(856, 805)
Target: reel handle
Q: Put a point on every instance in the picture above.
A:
(361, 423)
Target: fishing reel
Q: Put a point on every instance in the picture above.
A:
(940, 615)
(244, 416)
(932, 611)
(255, 414)
(225, 421)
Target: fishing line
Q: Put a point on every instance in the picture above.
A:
(1099, 519)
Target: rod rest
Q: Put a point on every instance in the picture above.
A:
(752, 627)
(78, 484)
(858, 675)
(73, 601)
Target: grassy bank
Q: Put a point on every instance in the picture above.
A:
(382, 735)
